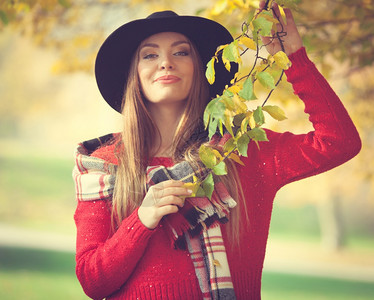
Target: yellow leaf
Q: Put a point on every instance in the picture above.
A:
(219, 48)
(276, 112)
(236, 158)
(245, 122)
(248, 42)
(226, 62)
(270, 4)
(234, 89)
(191, 186)
(252, 122)
(270, 60)
(217, 154)
(282, 61)
(210, 73)
(269, 17)
(260, 68)
(281, 10)
(240, 106)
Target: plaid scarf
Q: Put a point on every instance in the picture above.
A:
(195, 227)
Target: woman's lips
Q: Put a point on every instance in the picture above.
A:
(168, 79)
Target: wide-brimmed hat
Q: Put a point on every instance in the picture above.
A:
(114, 57)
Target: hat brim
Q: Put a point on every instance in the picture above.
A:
(115, 55)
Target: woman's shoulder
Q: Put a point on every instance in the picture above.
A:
(104, 147)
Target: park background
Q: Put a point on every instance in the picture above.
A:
(321, 243)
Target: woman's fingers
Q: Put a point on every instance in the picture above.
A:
(289, 16)
(166, 210)
(169, 200)
(162, 199)
(170, 187)
(179, 191)
(262, 5)
(169, 192)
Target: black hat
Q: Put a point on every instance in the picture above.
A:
(114, 57)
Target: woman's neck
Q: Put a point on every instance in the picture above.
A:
(166, 117)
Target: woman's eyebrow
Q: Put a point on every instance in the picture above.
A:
(153, 45)
(179, 42)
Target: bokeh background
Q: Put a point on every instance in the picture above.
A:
(321, 243)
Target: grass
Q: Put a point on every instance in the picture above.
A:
(39, 274)
(37, 192)
(277, 286)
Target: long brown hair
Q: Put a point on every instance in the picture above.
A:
(138, 138)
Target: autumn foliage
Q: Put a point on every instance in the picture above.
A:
(230, 113)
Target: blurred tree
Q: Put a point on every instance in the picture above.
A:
(342, 28)
(337, 33)
(75, 28)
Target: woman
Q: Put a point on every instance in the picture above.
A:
(139, 235)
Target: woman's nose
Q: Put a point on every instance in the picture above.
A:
(166, 64)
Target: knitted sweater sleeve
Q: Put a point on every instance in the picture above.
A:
(334, 139)
(104, 262)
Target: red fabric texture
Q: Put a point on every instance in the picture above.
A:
(138, 263)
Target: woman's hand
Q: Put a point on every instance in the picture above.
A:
(291, 40)
(162, 199)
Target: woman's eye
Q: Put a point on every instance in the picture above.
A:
(182, 53)
(149, 56)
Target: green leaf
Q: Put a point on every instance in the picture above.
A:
(227, 93)
(210, 73)
(266, 80)
(206, 118)
(242, 144)
(213, 124)
(208, 111)
(263, 26)
(231, 52)
(207, 156)
(229, 145)
(238, 119)
(228, 123)
(276, 112)
(259, 117)
(200, 192)
(213, 114)
(220, 169)
(247, 90)
(229, 103)
(217, 108)
(258, 134)
(208, 185)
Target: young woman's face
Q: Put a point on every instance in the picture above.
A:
(166, 68)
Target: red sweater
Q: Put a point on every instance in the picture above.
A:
(138, 263)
